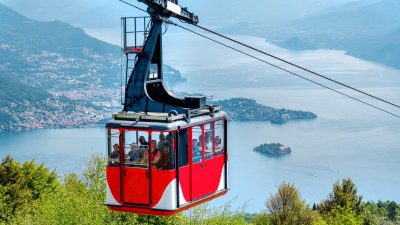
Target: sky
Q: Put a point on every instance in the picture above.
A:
(106, 13)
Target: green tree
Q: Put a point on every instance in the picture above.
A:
(261, 219)
(21, 185)
(392, 211)
(344, 195)
(287, 208)
(342, 216)
(223, 215)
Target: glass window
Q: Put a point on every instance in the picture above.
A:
(136, 149)
(197, 142)
(209, 140)
(183, 147)
(163, 150)
(219, 137)
(113, 147)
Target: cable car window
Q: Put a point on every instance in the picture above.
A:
(163, 150)
(135, 149)
(209, 140)
(219, 137)
(183, 147)
(197, 143)
(113, 147)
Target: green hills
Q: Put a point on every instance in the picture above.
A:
(55, 75)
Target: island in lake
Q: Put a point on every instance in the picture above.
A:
(248, 110)
(273, 149)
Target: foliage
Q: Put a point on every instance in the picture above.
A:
(344, 195)
(21, 185)
(380, 212)
(287, 208)
(31, 194)
(339, 215)
(392, 211)
(204, 214)
(261, 219)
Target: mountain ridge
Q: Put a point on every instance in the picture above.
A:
(55, 75)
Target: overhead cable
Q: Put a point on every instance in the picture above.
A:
(281, 68)
(286, 70)
(297, 66)
(134, 6)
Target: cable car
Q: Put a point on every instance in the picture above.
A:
(166, 153)
(180, 164)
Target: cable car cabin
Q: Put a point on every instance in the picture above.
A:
(162, 165)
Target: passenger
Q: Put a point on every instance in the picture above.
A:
(199, 143)
(114, 156)
(155, 154)
(209, 150)
(162, 140)
(218, 146)
(164, 162)
(196, 151)
(143, 143)
(135, 155)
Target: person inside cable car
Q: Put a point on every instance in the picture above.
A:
(218, 147)
(156, 155)
(143, 143)
(209, 150)
(113, 159)
(162, 140)
(135, 155)
(196, 151)
(164, 162)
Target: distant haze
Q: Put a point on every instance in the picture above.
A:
(106, 13)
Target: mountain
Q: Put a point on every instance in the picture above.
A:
(362, 28)
(54, 74)
(387, 51)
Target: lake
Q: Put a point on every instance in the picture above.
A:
(347, 139)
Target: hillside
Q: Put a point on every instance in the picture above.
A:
(56, 75)
(362, 28)
(244, 109)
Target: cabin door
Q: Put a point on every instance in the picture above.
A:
(135, 168)
(197, 164)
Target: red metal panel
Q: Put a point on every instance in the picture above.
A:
(159, 182)
(197, 181)
(184, 180)
(136, 186)
(113, 180)
(212, 174)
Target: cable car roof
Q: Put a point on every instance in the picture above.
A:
(152, 121)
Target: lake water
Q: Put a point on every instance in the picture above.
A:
(347, 139)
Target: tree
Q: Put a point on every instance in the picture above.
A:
(344, 195)
(287, 208)
(342, 216)
(392, 211)
(21, 185)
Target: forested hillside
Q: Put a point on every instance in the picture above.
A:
(32, 194)
(54, 75)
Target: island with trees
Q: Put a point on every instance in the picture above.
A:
(273, 149)
(248, 110)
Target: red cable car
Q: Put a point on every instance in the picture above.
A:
(165, 153)
(166, 165)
